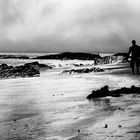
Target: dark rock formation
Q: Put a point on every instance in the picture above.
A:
(78, 65)
(18, 71)
(104, 91)
(26, 70)
(84, 70)
(14, 57)
(70, 56)
(38, 66)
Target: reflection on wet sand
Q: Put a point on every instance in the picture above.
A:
(23, 120)
(104, 105)
(101, 102)
(103, 109)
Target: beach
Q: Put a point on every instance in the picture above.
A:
(54, 105)
(69, 70)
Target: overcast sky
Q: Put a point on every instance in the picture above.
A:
(69, 25)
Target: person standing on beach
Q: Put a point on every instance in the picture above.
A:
(134, 50)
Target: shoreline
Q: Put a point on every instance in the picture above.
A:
(60, 101)
(97, 126)
(124, 123)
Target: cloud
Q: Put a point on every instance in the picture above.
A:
(70, 25)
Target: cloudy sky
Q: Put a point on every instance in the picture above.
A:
(68, 25)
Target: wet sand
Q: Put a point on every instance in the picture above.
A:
(54, 106)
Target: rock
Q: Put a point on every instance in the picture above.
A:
(104, 91)
(116, 58)
(38, 66)
(119, 125)
(26, 125)
(26, 70)
(70, 56)
(84, 70)
(106, 126)
(14, 57)
(78, 65)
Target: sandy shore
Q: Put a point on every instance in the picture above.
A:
(54, 107)
(123, 124)
(123, 121)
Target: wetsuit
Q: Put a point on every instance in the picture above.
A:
(135, 54)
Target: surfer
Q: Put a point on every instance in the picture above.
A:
(134, 52)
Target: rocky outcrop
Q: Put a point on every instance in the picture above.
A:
(18, 71)
(116, 58)
(119, 57)
(78, 65)
(104, 91)
(14, 57)
(36, 65)
(84, 70)
(70, 56)
(26, 70)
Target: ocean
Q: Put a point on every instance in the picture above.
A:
(47, 104)
(54, 105)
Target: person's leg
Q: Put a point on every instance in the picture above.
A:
(132, 65)
(137, 65)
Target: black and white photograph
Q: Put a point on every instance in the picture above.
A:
(69, 70)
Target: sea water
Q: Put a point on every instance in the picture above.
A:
(52, 105)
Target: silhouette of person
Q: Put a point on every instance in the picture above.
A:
(134, 50)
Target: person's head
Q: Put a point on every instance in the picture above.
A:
(133, 42)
